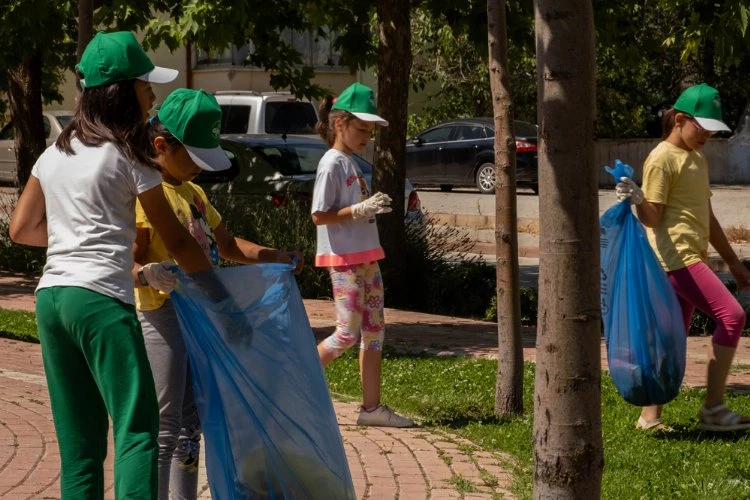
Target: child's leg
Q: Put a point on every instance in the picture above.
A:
(169, 364)
(373, 333)
(184, 480)
(77, 408)
(348, 294)
(109, 335)
(701, 287)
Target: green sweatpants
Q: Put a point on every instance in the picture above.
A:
(96, 364)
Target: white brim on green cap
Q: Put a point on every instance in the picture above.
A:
(369, 117)
(712, 125)
(159, 75)
(211, 159)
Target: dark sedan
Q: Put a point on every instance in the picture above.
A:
(461, 153)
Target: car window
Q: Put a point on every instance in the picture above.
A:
(525, 129)
(222, 176)
(64, 120)
(469, 132)
(8, 132)
(234, 119)
(293, 159)
(290, 117)
(437, 135)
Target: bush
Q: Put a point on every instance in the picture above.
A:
(16, 258)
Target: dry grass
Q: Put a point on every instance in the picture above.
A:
(737, 234)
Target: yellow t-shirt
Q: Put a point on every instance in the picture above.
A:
(196, 213)
(678, 179)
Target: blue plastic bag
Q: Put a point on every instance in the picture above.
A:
(267, 417)
(643, 324)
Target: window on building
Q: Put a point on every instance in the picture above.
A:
(315, 47)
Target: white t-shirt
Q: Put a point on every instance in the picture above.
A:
(90, 201)
(339, 183)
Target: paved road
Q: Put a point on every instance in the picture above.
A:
(730, 203)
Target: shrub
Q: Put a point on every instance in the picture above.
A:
(16, 258)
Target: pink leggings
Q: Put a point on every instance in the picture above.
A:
(697, 286)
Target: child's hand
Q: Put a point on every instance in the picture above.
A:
(160, 275)
(295, 256)
(627, 188)
(379, 203)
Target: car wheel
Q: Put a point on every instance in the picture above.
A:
(446, 187)
(485, 178)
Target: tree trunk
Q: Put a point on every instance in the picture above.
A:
(85, 30)
(509, 379)
(25, 96)
(394, 64)
(567, 440)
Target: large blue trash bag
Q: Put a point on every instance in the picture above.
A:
(643, 324)
(269, 426)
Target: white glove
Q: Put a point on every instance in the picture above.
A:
(627, 188)
(159, 275)
(379, 203)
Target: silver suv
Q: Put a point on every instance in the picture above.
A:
(250, 112)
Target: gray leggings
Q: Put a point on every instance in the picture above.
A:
(179, 428)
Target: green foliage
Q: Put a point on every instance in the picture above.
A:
(529, 306)
(13, 257)
(457, 394)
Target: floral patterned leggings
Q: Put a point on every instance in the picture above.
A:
(358, 293)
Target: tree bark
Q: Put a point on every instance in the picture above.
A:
(389, 174)
(25, 96)
(567, 440)
(509, 378)
(85, 30)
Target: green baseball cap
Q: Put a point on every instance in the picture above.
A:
(359, 100)
(116, 57)
(194, 118)
(703, 103)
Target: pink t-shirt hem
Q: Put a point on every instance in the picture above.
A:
(350, 259)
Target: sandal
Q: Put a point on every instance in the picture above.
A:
(722, 419)
(652, 425)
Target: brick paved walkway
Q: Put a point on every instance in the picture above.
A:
(401, 464)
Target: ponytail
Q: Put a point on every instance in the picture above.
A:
(326, 119)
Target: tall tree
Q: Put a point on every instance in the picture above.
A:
(33, 58)
(394, 63)
(567, 440)
(509, 379)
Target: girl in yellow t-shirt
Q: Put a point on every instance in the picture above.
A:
(675, 207)
(185, 135)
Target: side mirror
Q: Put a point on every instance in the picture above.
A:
(417, 141)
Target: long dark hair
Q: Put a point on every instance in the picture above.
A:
(110, 113)
(327, 116)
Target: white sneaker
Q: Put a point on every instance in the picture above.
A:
(382, 416)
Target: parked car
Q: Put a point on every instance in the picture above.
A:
(249, 112)
(461, 153)
(282, 167)
(54, 122)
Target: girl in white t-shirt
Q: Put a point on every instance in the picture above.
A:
(79, 202)
(348, 244)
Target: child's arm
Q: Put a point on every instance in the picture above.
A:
(179, 242)
(28, 225)
(379, 203)
(247, 252)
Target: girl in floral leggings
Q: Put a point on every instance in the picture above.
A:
(348, 244)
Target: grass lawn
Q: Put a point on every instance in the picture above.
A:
(456, 395)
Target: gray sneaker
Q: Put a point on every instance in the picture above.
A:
(382, 416)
